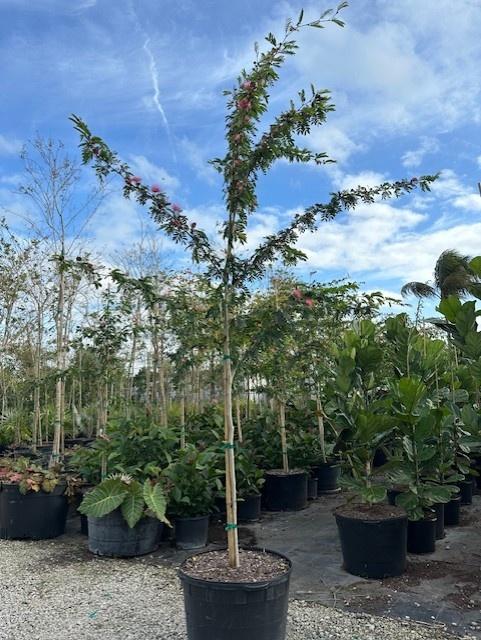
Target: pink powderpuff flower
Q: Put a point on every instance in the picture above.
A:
(237, 137)
(155, 188)
(297, 293)
(176, 208)
(136, 179)
(247, 85)
(309, 302)
(244, 104)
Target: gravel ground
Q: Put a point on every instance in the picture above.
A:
(55, 590)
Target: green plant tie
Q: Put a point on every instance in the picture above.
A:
(230, 526)
(226, 357)
(227, 445)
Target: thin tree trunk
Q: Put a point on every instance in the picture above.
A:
(230, 479)
(282, 424)
(238, 419)
(320, 426)
(59, 320)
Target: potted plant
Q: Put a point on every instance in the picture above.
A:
(33, 500)
(373, 534)
(216, 581)
(416, 468)
(124, 516)
(191, 481)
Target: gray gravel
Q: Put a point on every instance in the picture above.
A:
(55, 590)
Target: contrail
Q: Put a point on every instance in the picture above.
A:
(154, 76)
(155, 83)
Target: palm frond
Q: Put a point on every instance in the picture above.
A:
(418, 289)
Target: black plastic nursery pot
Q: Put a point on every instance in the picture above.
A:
(236, 610)
(285, 491)
(249, 509)
(466, 491)
(311, 488)
(111, 536)
(373, 539)
(328, 474)
(422, 535)
(33, 516)
(452, 511)
(191, 533)
(439, 511)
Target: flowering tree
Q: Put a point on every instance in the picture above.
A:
(248, 154)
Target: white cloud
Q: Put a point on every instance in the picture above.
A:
(9, 146)
(478, 160)
(469, 202)
(333, 141)
(414, 157)
(196, 157)
(150, 172)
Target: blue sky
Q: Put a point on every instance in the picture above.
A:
(148, 76)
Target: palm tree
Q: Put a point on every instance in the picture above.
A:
(452, 276)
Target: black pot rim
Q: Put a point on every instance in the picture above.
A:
(280, 473)
(192, 517)
(230, 586)
(10, 485)
(368, 521)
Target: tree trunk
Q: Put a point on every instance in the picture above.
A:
(282, 424)
(230, 477)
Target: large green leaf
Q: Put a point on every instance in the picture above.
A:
(133, 504)
(104, 499)
(450, 307)
(155, 500)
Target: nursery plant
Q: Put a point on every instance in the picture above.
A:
(359, 409)
(135, 499)
(33, 500)
(192, 480)
(252, 149)
(418, 466)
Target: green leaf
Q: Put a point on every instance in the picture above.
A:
(450, 307)
(475, 265)
(155, 500)
(104, 499)
(133, 504)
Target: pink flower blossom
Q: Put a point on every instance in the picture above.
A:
(309, 302)
(176, 208)
(155, 188)
(297, 293)
(237, 137)
(136, 179)
(244, 104)
(247, 85)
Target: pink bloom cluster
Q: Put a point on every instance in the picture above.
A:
(298, 295)
(244, 104)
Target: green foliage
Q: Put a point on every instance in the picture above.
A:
(134, 498)
(192, 480)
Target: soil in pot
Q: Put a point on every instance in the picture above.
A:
(328, 474)
(466, 491)
(33, 516)
(191, 533)
(373, 539)
(236, 604)
(311, 488)
(452, 511)
(285, 491)
(422, 535)
(111, 536)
